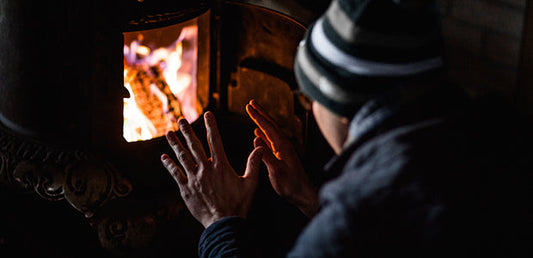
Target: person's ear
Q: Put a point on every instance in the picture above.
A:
(345, 120)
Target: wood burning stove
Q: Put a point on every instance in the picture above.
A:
(87, 89)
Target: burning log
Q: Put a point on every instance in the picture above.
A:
(155, 99)
(174, 103)
(162, 82)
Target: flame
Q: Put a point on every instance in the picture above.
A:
(143, 50)
(134, 118)
(162, 86)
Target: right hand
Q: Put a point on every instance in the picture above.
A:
(285, 170)
(210, 187)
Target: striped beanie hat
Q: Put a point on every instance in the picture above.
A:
(361, 48)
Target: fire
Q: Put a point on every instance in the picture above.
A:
(162, 85)
(143, 50)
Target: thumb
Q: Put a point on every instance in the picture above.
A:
(253, 165)
(269, 159)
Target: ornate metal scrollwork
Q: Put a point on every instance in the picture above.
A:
(45, 179)
(57, 173)
(89, 184)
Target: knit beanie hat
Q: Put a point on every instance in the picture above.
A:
(360, 48)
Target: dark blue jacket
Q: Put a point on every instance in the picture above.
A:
(425, 173)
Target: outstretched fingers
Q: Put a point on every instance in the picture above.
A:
(215, 140)
(269, 159)
(265, 123)
(254, 104)
(181, 152)
(258, 133)
(195, 146)
(174, 170)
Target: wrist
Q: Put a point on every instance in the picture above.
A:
(211, 220)
(307, 202)
(311, 209)
(218, 217)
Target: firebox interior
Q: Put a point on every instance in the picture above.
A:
(161, 77)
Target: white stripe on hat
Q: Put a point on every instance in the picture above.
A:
(327, 87)
(341, 23)
(358, 66)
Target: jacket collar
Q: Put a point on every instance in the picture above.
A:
(400, 106)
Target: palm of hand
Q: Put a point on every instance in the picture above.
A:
(209, 186)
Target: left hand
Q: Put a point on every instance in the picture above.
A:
(210, 187)
(285, 170)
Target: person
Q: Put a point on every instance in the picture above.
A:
(421, 169)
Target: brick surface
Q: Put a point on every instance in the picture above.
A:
(491, 15)
(466, 70)
(483, 39)
(458, 34)
(503, 49)
(479, 76)
(501, 80)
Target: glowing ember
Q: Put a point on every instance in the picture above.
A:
(162, 85)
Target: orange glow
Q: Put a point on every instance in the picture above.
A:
(161, 82)
(143, 50)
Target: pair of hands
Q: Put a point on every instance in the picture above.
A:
(212, 189)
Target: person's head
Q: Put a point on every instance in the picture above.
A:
(360, 49)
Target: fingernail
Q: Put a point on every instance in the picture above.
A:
(170, 136)
(182, 122)
(209, 115)
(251, 108)
(164, 157)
